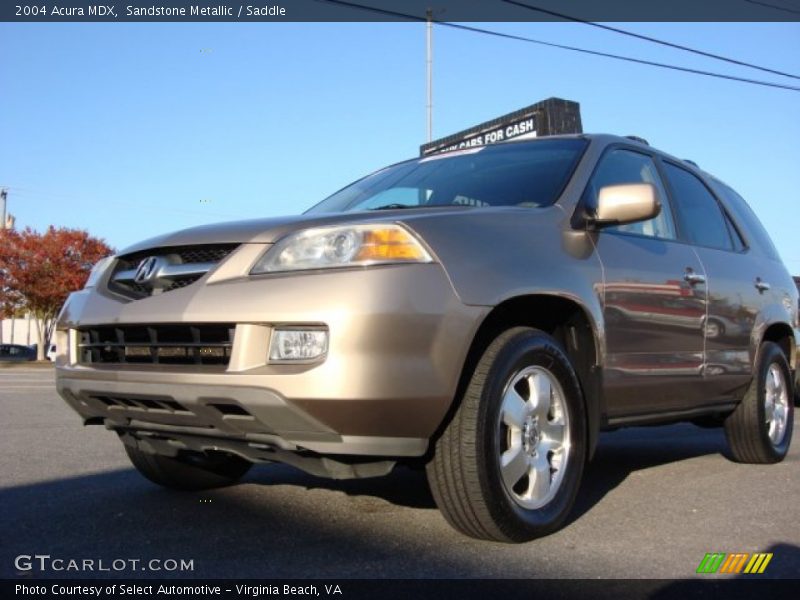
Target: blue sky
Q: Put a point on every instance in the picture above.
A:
(130, 130)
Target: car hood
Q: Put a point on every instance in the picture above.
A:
(265, 231)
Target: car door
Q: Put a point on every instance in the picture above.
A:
(654, 301)
(737, 286)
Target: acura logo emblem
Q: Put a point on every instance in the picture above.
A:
(148, 270)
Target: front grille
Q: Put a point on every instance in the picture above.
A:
(173, 268)
(203, 254)
(181, 344)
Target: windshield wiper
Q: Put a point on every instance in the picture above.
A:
(397, 205)
(394, 205)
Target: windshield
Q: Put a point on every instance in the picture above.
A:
(528, 174)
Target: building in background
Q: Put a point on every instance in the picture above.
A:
(21, 330)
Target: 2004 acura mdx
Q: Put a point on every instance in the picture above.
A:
(483, 312)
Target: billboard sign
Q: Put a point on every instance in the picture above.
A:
(549, 117)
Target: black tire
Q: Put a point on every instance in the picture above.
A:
(747, 429)
(189, 471)
(465, 474)
(797, 387)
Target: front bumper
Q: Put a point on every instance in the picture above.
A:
(398, 340)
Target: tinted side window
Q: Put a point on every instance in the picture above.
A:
(701, 218)
(756, 235)
(625, 166)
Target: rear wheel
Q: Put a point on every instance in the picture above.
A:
(190, 470)
(760, 429)
(508, 466)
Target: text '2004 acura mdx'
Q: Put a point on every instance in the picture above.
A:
(483, 312)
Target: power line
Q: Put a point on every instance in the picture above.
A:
(519, 38)
(650, 39)
(775, 6)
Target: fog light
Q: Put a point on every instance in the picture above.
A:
(298, 344)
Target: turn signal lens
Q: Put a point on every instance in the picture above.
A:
(390, 244)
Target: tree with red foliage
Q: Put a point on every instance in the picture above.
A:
(39, 270)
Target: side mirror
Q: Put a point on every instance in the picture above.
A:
(624, 203)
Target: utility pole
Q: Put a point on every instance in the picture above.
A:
(429, 65)
(3, 199)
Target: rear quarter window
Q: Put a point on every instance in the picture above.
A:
(754, 232)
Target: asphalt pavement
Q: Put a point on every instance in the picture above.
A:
(653, 503)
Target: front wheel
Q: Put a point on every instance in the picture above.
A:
(760, 429)
(508, 465)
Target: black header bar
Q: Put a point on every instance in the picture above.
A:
(399, 589)
(397, 10)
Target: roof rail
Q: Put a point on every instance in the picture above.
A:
(691, 162)
(636, 138)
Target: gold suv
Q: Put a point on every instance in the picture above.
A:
(483, 312)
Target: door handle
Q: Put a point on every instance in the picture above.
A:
(693, 278)
(762, 286)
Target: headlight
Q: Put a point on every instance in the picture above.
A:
(97, 271)
(348, 246)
